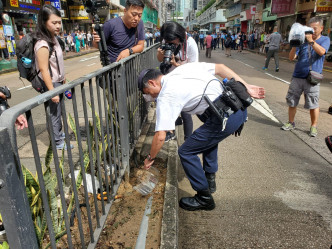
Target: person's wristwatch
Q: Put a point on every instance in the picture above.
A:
(130, 51)
(311, 43)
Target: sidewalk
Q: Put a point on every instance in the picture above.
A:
(284, 56)
(67, 55)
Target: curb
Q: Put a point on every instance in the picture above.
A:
(284, 58)
(65, 58)
(170, 222)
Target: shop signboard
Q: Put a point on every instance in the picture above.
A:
(268, 16)
(32, 6)
(243, 16)
(233, 10)
(304, 6)
(54, 3)
(283, 7)
(78, 13)
(8, 30)
(324, 6)
(2, 38)
(253, 9)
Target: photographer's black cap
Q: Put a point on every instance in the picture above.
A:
(140, 82)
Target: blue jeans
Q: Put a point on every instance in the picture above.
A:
(205, 140)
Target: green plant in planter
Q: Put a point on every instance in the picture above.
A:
(33, 191)
(4, 245)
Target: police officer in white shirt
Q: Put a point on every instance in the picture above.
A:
(182, 90)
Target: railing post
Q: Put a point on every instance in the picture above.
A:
(123, 117)
(14, 204)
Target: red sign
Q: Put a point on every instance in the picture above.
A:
(283, 6)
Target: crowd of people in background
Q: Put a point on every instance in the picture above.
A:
(75, 40)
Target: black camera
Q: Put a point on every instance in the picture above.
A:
(3, 102)
(169, 49)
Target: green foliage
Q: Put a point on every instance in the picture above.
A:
(32, 187)
(4, 245)
(205, 8)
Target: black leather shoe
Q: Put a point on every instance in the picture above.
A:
(203, 200)
(211, 178)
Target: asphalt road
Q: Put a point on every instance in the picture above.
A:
(274, 187)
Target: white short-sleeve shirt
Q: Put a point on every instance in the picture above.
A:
(182, 90)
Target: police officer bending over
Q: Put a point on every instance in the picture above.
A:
(189, 88)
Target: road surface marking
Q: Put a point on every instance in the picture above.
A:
(244, 63)
(24, 87)
(278, 78)
(261, 106)
(90, 58)
(90, 64)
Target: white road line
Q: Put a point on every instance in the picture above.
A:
(90, 58)
(24, 87)
(261, 106)
(278, 78)
(244, 63)
(90, 64)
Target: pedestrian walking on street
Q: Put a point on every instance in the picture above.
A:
(201, 40)
(208, 41)
(51, 66)
(124, 35)
(311, 55)
(197, 80)
(274, 40)
(228, 44)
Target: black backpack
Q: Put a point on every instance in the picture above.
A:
(26, 63)
(26, 57)
(228, 43)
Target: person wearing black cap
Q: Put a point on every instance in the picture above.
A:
(197, 79)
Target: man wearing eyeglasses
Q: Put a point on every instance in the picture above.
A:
(124, 35)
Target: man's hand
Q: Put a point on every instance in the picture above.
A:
(148, 163)
(21, 122)
(56, 99)
(173, 61)
(96, 37)
(124, 53)
(256, 92)
(2, 95)
(308, 37)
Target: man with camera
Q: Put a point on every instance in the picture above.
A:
(189, 88)
(310, 57)
(5, 94)
(124, 35)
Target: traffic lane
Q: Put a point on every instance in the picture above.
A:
(256, 61)
(275, 102)
(267, 181)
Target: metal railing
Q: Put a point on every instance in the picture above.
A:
(105, 115)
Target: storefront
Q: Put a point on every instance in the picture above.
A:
(284, 9)
(233, 18)
(269, 19)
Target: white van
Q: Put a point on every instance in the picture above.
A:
(204, 31)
